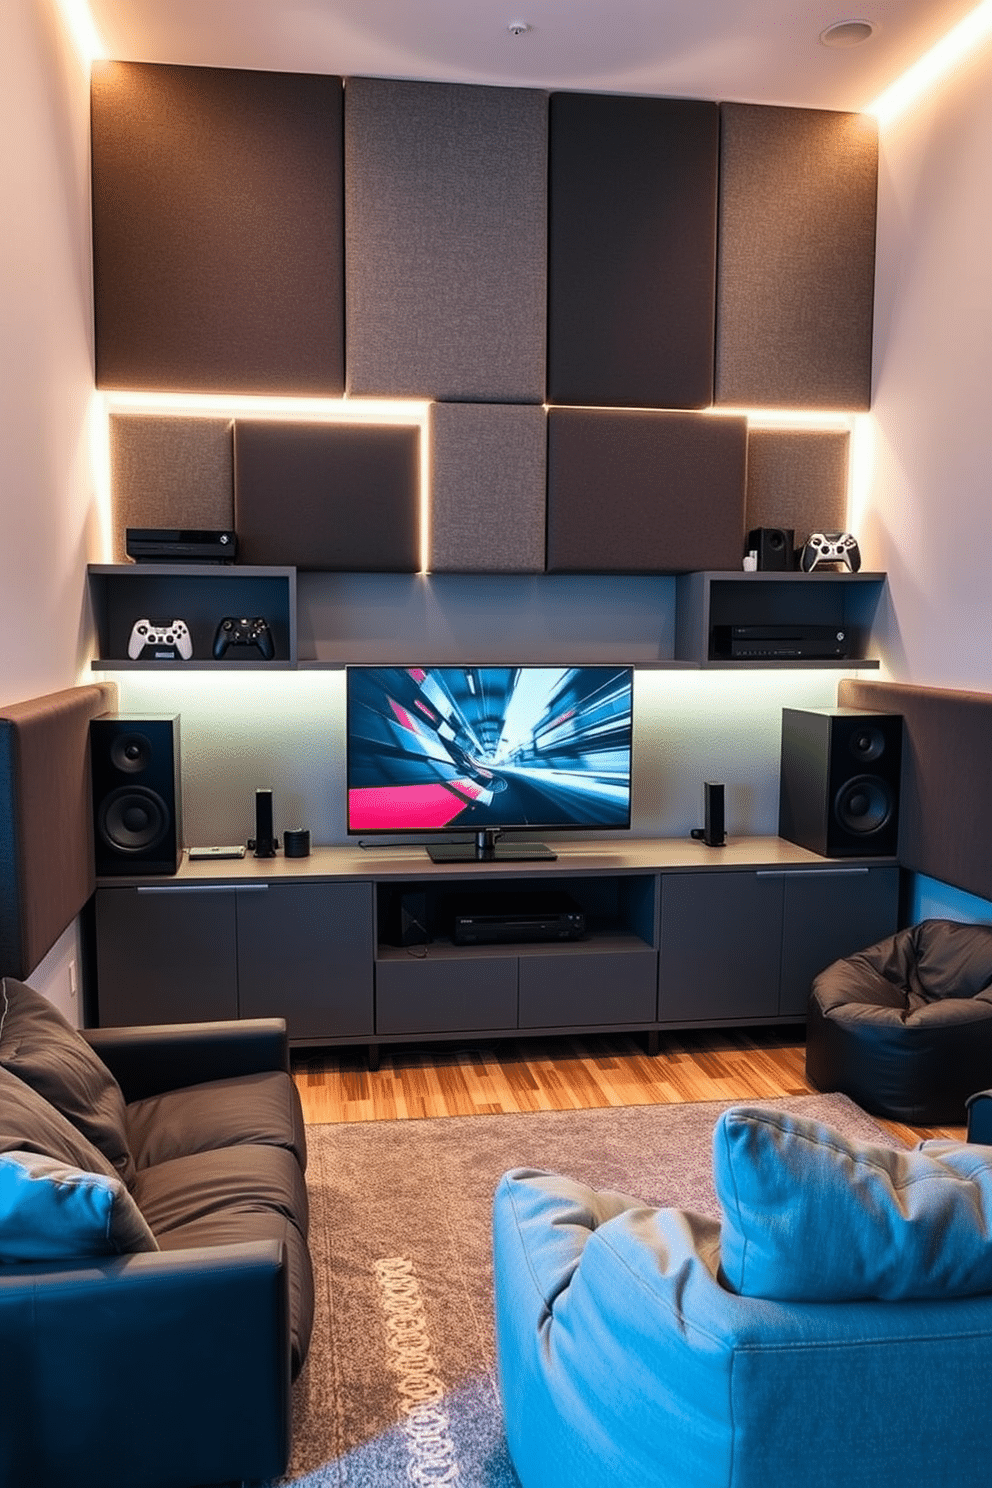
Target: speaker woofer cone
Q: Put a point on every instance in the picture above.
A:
(133, 820)
(864, 805)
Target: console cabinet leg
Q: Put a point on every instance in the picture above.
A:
(375, 1057)
(652, 1042)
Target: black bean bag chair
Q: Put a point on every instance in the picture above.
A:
(905, 1027)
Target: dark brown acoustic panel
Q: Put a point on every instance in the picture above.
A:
(632, 210)
(797, 479)
(641, 492)
(328, 496)
(946, 805)
(217, 229)
(796, 274)
(47, 868)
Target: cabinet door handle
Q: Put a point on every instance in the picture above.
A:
(810, 872)
(248, 888)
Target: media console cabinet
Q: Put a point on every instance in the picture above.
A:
(679, 935)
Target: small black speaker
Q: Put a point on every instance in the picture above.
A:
(839, 783)
(413, 918)
(134, 766)
(775, 547)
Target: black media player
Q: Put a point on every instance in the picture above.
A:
(501, 919)
(781, 642)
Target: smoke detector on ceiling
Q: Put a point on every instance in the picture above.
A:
(517, 28)
(848, 33)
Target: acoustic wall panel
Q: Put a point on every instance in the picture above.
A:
(640, 492)
(797, 478)
(446, 218)
(169, 472)
(47, 868)
(945, 828)
(327, 496)
(487, 488)
(217, 231)
(632, 250)
(796, 263)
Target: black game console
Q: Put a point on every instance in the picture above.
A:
(512, 918)
(180, 545)
(782, 642)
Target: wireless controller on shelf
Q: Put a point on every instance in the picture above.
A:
(160, 640)
(234, 632)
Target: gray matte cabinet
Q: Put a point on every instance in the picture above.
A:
(737, 946)
(166, 954)
(434, 994)
(304, 955)
(594, 986)
(173, 953)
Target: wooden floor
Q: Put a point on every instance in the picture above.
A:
(417, 1080)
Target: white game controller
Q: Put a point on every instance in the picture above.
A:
(831, 547)
(160, 640)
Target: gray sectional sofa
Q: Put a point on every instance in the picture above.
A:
(156, 1292)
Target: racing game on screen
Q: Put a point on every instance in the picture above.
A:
(442, 748)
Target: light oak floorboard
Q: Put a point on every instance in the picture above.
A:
(451, 1079)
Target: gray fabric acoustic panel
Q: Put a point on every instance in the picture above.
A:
(446, 223)
(47, 867)
(327, 496)
(487, 488)
(642, 492)
(796, 260)
(217, 229)
(797, 478)
(632, 250)
(945, 807)
(169, 472)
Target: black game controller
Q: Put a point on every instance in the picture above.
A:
(831, 547)
(234, 632)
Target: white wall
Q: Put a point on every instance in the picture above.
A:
(46, 361)
(929, 518)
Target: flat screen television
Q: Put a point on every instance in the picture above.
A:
(488, 750)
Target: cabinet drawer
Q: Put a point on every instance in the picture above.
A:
(446, 996)
(598, 987)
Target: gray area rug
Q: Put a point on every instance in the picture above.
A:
(400, 1384)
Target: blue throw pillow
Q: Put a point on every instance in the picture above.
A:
(52, 1212)
(809, 1215)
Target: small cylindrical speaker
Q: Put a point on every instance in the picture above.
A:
(839, 783)
(296, 842)
(134, 767)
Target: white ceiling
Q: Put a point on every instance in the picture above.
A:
(762, 51)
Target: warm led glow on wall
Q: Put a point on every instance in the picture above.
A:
(934, 66)
(78, 22)
(861, 471)
(787, 418)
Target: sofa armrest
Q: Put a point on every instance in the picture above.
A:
(979, 1108)
(167, 1056)
(146, 1369)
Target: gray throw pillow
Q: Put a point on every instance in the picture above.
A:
(809, 1215)
(42, 1048)
(29, 1124)
(52, 1212)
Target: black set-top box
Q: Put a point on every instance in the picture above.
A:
(180, 545)
(502, 919)
(782, 642)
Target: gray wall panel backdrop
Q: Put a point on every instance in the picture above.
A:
(446, 220)
(488, 477)
(795, 283)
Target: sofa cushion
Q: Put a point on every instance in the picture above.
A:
(236, 1194)
(43, 1049)
(262, 1108)
(808, 1215)
(52, 1212)
(29, 1124)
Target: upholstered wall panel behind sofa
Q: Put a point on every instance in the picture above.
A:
(217, 235)
(327, 495)
(631, 250)
(796, 273)
(46, 820)
(170, 472)
(446, 217)
(642, 492)
(487, 488)
(797, 478)
(945, 813)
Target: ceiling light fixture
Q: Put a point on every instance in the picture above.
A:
(517, 28)
(848, 33)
